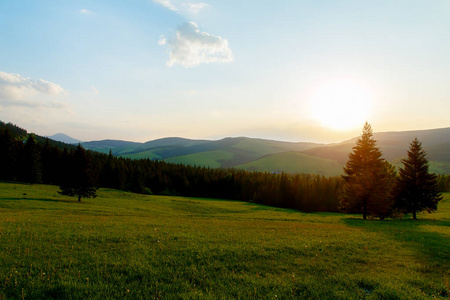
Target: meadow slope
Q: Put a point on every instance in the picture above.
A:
(123, 245)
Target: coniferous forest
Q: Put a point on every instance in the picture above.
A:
(33, 159)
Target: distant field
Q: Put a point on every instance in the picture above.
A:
(295, 162)
(123, 245)
(212, 159)
(149, 154)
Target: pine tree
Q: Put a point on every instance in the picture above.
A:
(78, 180)
(367, 180)
(417, 189)
(50, 157)
(8, 155)
(31, 163)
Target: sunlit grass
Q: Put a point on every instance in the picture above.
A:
(126, 245)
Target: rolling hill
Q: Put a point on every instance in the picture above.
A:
(265, 155)
(277, 156)
(228, 152)
(394, 146)
(294, 162)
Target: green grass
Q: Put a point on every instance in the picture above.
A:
(123, 245)
(212, 159)
(142, 155)
(259, 147)
(294, 162)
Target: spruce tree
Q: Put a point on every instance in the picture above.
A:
(77, 176)
(31, 163)
(8, 155)
(417, 189)
(367, 180)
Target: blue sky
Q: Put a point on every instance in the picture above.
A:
(287, 70)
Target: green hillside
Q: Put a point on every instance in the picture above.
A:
(434, 167)
(150, 154)
(247, 152)
(128, 246)
(394, 146)
(260, 147)
(117, 147)
(211, 159)
(294, 162)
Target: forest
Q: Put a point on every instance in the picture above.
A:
(33, 159)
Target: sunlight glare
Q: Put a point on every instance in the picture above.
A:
(341, 105)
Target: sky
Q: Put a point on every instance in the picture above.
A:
(285, 70)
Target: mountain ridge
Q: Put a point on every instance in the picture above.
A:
(62, 137)
(241, 152)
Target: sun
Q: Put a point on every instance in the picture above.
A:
(341, 104)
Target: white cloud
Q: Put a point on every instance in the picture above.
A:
(166, 4)
(191, 47)
(182, 7)
(85, 11)
(16, 90)
(162, 40)
(195, 8)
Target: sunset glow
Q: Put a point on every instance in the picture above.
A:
(341, 105)
(289, 70)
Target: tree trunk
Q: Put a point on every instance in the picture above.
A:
(365, 209)
(79, 198)
(414, 215)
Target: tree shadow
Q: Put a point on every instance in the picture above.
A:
(432, 246)
(37, 199)
(400, 223)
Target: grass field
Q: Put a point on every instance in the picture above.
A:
(123, 245)
(149, 154)
(211, 159)
(294, 162)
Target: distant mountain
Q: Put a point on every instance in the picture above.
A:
(436, 142)
(21, 134)
(277, 156)
(394, 146)
(116, 146)
(61, 137)
(227, 152)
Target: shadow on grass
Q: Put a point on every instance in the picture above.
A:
(416, 235)
(395, 223)
(40, 199)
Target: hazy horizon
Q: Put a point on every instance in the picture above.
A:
(250, 137)
(303, 71)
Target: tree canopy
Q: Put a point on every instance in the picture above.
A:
(78, 178)
(368, 179)
(417, 189)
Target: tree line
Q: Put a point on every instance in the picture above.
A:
(370, 186)
(32, 159)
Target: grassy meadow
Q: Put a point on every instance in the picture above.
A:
(211, 159)
(294, 162)
(122, 245)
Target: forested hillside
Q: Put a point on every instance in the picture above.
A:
(273, 156)
(24, 157)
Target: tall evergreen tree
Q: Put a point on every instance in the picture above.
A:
(367, 178)
(31, 161)
(50, 157)
(417, 189)
(78, 180)
(8, 155)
